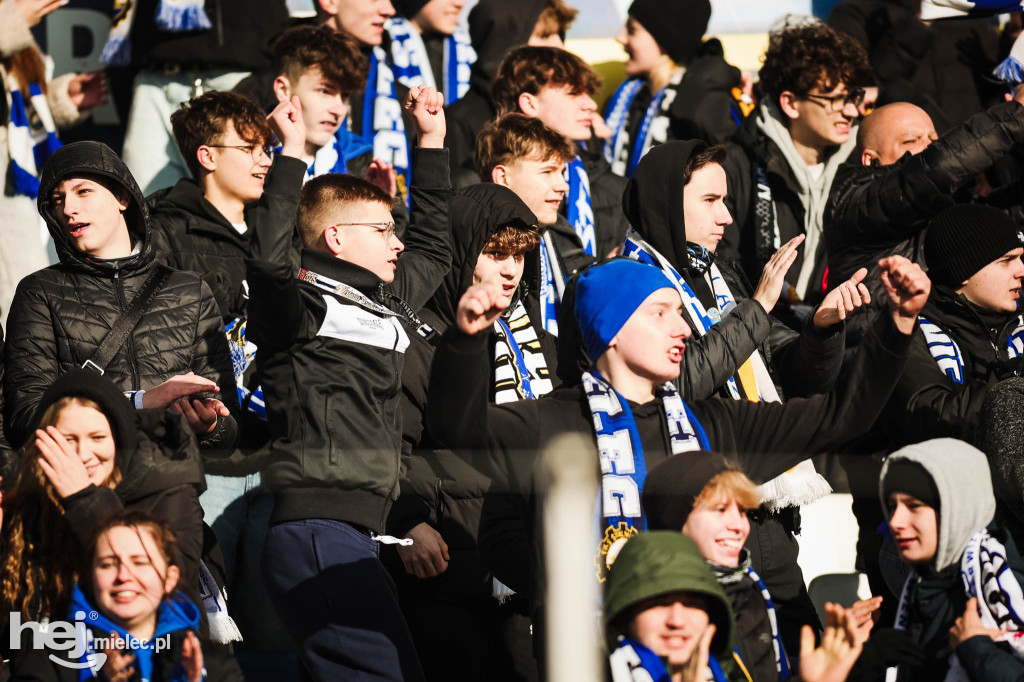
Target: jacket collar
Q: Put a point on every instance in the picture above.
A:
(200, 214)
(341, 270)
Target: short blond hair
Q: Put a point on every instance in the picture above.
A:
(731, 484)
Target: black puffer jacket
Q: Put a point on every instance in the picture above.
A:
(929, 404)
(801, 364)
(61, 314)
(877, 211)
(440, 487)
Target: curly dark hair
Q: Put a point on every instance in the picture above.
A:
(205, 119)
(802, 57)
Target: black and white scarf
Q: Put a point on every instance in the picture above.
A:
(520, 370)
(623, 466)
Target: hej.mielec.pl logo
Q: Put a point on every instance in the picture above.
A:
(84, 650)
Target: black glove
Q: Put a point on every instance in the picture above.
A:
(886, 648)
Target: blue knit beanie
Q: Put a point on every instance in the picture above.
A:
(607, 296)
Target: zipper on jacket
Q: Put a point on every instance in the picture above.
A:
(122, 307)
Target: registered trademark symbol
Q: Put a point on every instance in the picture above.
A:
(93, 615)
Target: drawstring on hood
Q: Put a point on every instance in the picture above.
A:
(961, 475)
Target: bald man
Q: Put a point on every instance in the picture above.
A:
(902, 175)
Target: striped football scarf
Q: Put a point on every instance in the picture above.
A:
(31, 137)
(411, 65)
(171, 15)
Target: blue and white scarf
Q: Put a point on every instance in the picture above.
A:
(580, 210)
(633, 662)
(171, 15)
(552, 284)
(623, 465)
(623, 153)
(947, 354)
(520, 370)
(800, 485)
(411, 65)
(965, 9)
(382, 120)
(31, 137)
(781, 659)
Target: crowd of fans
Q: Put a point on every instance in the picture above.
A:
(274, 409)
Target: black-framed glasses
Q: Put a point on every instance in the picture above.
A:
(387, 230)
(255, 150)
(836, 103)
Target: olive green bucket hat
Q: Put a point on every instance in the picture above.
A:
(660, 562)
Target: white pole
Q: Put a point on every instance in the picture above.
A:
(569, 469)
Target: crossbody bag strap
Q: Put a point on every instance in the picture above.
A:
(124, 325)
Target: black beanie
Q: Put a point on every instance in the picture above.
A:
(964, 238)
(408, 8)
(910, 478)
(673, 486)
(83, 383)
(676, 25)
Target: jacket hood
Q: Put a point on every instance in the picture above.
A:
(495, 27)
(961, 475)
(653, 201)
(660, 562)
(96, 159)
(478, 212)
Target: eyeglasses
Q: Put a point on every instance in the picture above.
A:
(256, 151)
(838, 102)
(387, 230)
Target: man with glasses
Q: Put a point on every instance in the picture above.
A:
(782, 160)
(331, 340)
(201, 225)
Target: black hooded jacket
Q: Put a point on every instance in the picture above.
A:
(439, 487)
(800, 364)
(495, 27)
(61, 314)
(927, 403)
(877, 211)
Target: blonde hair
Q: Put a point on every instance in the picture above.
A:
(731, 484)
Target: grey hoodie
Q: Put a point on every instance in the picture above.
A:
(962, 477)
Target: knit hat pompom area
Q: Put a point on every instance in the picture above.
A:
(607, 295)
(676, 25)
(964, 238)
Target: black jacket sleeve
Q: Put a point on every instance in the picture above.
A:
(428, 253)
(711, 360)
(926, 404)
(987, 661)
(769, 438)
(809, 362)
(211, 358)
(883, 208)
(275, 312)
(30, 361)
